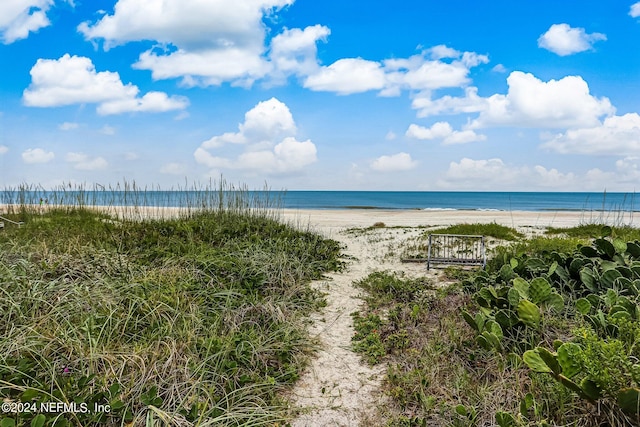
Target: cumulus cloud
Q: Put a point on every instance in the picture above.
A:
(150, 102)
(495, 174)
(19, 18)
(206, 68)
(295, 51)
(550, 178)
(442, 51)
(564, 40)
(394, 163)
(634, 11)
(208, 42)
(499, 68)
(184, 23)
(74, 80)
(530, 102)
(444, 131)
(469, 103)
(435, 68)
(268, 138)
(436, 131)
(616, 135)
(347, 76)
(266, 122)
(37, 155)
(628, 169)
(446, 68)
(82, 161)
(3, 149)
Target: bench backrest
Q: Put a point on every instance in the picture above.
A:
(457, 249)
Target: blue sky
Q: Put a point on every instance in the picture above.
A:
(299, 94)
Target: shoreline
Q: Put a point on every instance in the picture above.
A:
(362, 218)
(349, 218)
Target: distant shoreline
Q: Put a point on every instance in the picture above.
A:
(336, 200)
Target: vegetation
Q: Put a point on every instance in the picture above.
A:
(194, 320)
(491, 229)
(547, 335)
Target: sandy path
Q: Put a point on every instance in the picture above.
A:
(338, 389)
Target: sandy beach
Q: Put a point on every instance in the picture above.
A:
(333, 220)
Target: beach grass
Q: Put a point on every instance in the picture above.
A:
(196, 319)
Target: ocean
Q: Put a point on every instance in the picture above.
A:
(428, 200)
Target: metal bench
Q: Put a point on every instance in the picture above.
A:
(3, 219)
(456, 249)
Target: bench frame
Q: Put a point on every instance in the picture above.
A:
(456, 249)
(3, 219)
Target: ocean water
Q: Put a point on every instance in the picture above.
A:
(454, 200)
(500, 201)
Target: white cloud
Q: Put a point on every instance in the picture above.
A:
(628, 169)
(130, 155)
(208, 42)
(347, 76)
(74, 80)
(211, 43)
(617, 135)
(37, 155)
(68, 126)
(444, 131)
(390, 136)
(423, 73)
(436, 131)
(494, 174)
(267, 121)
(530, 102)
(294, 51)
(550, 178)
(174, 169)
(463, 137)
(150, 102)
(470, 103)
(268, 137)
(186, 23)
(499, 68)
(476, 173)
(565, 40)
(634, 12)
(288, 156)
(82, 161)
(207, 67)
(18, 18)
(435, 68)
(394, 163)
(624, 177)
(442, 51)
(3, 149)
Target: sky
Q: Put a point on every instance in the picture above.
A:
(395, 95)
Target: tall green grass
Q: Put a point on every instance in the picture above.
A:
(198, 319)
(131, 201)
